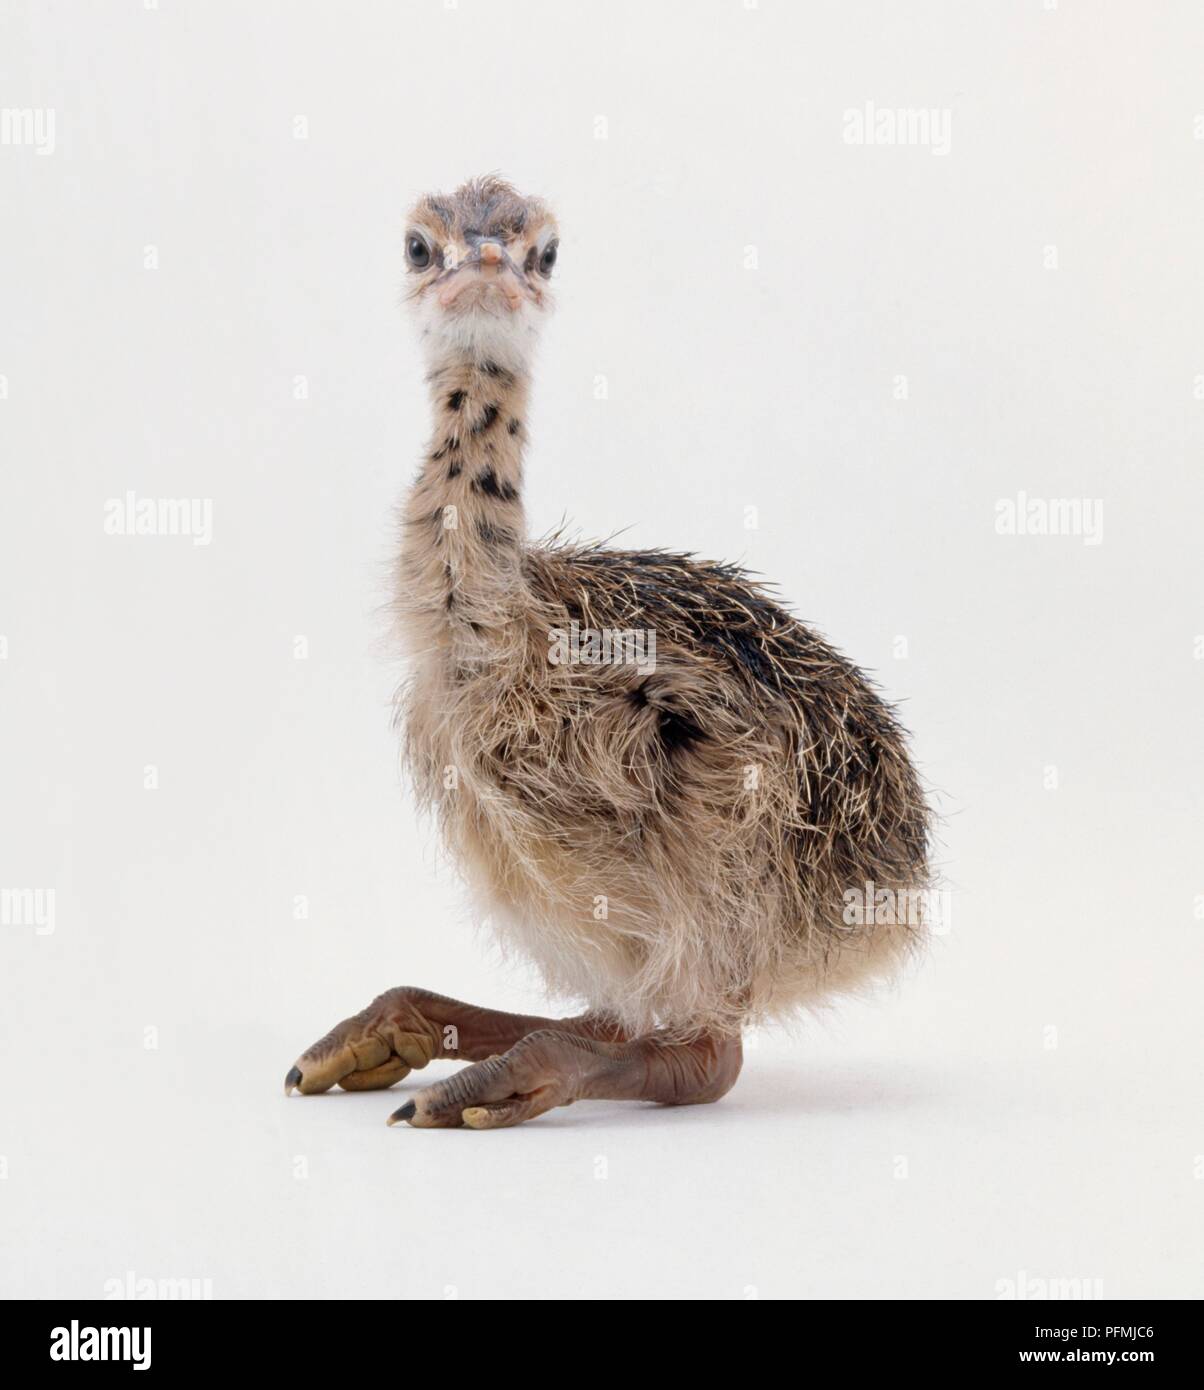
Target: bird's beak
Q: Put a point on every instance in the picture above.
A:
(489, 267)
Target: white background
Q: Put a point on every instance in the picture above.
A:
(750, 286)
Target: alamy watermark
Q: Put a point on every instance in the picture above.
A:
(871, 905)
(28, 907)
(30, 126)
(1027, 1286)
(588, 646)
(86, 1343)
(132, 515)
(1023, 515)
(134, 1287)
(929, 127)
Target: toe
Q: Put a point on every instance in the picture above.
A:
(318, 1068)
(492, 1094)
(373, 1050)
(376, 1078)
(504, 1114)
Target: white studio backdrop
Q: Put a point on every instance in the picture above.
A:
(843, 287)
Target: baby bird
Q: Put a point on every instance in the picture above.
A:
(659, 785)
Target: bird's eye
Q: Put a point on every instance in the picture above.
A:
(418, 253)
(548, 259)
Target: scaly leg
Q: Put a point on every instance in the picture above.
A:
(405, 1028)
(555, 1066)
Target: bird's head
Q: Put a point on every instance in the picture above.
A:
(478, 263)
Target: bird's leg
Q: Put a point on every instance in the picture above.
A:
(556, 1066)
(405, 1028)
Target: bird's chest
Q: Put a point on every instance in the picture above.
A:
(487, 733)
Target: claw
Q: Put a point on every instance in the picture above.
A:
(291, 1080)
(405, 1113)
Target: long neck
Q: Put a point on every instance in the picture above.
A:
(460, 575)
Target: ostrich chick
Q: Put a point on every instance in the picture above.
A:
(669, 831)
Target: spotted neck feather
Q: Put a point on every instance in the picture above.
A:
(460, 577)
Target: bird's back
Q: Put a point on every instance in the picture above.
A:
(855, 776)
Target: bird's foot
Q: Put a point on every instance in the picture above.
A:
(552, 1067)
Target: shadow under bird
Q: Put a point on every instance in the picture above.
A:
(670, 840)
